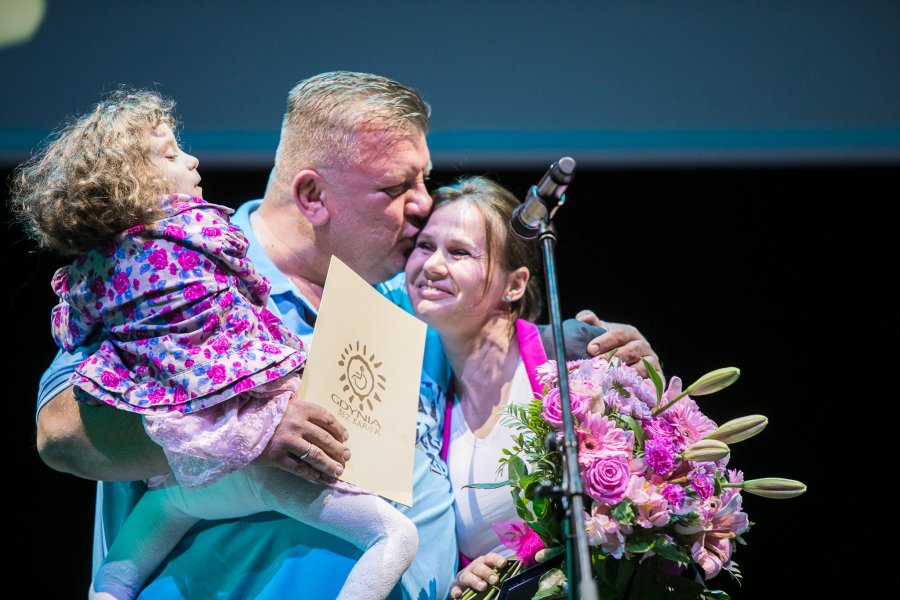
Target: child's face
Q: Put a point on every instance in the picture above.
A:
(177, 166)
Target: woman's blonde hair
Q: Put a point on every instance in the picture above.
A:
(95, 176)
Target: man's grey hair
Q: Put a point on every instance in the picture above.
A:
(326, 110)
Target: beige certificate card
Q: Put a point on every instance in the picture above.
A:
(364, 366)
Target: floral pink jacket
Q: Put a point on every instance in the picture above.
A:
(181, 311)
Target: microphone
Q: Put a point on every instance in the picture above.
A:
(526, 219)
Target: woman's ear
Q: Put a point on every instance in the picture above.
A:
(306, 190)
(516, 283)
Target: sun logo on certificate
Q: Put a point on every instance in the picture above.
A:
(360, 377)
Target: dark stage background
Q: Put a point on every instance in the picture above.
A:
(743, 267)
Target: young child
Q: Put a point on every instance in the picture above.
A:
(162, 278)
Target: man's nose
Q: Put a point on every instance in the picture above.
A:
(419, 203)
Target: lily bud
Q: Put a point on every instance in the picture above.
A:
(774, 487)
(738, 430)
(714, 381)
(706, 451)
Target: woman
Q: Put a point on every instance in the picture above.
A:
(474, 284)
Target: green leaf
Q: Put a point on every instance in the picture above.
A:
(623, 512)
(540, 507)
(621, 390)
(639, 435)
(655, 378)
(516, 468)
(489, 486)
(623, 577)
(671, 551)
(638, 546)
(550, 584)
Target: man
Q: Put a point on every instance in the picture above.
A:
(349, 180)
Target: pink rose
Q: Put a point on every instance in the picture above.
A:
(194, 291)
(180, 395)
(607, 478)
(553, 407)
(174, 231)
(270, 349)
(135, 230)
(98, 287)
(157, 393)
(212, 322)
(159, 259)
(219, 275)
(221, 345)
(121, 282)
(109, 379)
(243, 385)
(226, 300)
(216, 373)
(212, 232)
(188, 260)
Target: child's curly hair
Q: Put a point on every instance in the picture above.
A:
(95, 176)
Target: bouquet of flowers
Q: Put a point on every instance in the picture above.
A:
(664, 511)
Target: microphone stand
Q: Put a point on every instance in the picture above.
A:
(580, 573)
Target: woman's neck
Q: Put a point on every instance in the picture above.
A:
(484, 363)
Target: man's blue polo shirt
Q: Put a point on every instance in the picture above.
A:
(269, 556)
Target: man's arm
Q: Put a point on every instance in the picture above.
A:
(102, 442)
(631, 343)
(96, 442)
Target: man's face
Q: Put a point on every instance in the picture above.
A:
(378, 204)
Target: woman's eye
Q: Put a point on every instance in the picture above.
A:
(460, 252)
(424, 246)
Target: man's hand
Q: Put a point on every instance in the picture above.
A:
(631, 344)
(477, 575)
(307, 443)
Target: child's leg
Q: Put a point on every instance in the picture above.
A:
(152, 530)
(388, 538)
(161, 518)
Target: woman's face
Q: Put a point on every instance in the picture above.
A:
(448, 268)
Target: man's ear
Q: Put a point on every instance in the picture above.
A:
(306, 190)
(516, 283)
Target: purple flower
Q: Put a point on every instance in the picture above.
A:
(659, 455)
(701, 479)
(674, 494)
(606, 479)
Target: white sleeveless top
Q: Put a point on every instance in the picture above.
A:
(476, 460)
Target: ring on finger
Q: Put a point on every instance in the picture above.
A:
(305, 454)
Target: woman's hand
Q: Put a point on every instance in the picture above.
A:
(477, 575)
